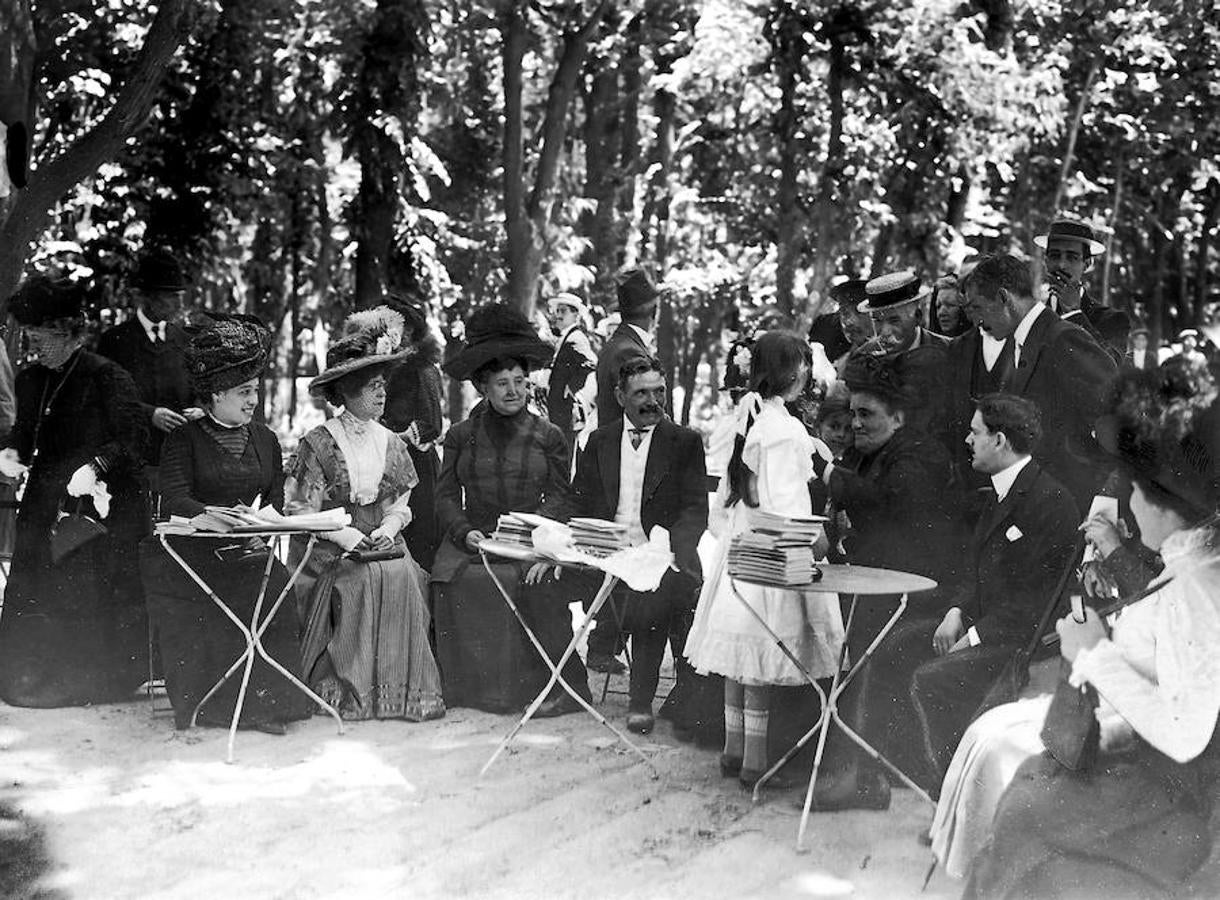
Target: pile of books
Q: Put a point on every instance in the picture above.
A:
(776, 549)
(234, 520)
(598, 537)
(512, 529)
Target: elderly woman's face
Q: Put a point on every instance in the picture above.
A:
(506, 390)
(873, 424)
(236, 405)
(368, 403)
(51, 346)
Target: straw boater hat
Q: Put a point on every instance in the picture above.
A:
(1165, 425)
(41, 300)
(571, 301)
(228, 352)
(498, 331)
(371, 337)
(1074, 230)
(891, 291)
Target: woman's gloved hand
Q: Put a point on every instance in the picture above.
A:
(11, 465)
(83, 481)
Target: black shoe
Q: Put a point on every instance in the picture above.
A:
(871, 791)
(640, 722)
(730, 766)
(277, 728)
(562, 705)
(604, 663)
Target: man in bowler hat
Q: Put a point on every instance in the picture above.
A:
(638, 299)
(151, 346)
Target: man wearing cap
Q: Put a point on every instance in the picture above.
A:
(572, 386)
(846, 328)
(638, 299)
(151, 346)
(896, 303)
(1188, 338)
(1057, 365)
(1069, 248)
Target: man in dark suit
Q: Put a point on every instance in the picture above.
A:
(638, 300)
(1141, 356)
(1021, 543)
(645, 471)
(151, 346)
(570, 386)
(1070, 248)
(1057, 365)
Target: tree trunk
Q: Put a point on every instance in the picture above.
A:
(1069, 152)
(825, 238)
(787, 41)
(1115, 205)
(28, 213)
(1203, 250)
(598, 225)
(386, 108)
(524, 218)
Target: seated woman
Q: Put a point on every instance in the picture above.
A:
(222, 459)
(73, 630)
(503, 458)
(365, 648)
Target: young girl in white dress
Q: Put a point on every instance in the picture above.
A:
(770, 471)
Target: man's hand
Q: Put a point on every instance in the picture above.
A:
(538, 571)
(191, 413)
(166, 419)
(1066, 291)
(948, 632)
(474, 538)
(1076, 636)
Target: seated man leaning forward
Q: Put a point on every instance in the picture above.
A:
(643, 471)
(1022, 541)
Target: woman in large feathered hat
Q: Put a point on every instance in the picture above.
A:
(502, 459)
(365, 648)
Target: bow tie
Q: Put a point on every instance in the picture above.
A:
(637, 436)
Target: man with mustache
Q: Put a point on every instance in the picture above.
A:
(642, 471)
(1070, 248)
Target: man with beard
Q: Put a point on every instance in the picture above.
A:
(1070, 248)
(643, 471)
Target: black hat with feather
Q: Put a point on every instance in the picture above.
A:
(498, 331)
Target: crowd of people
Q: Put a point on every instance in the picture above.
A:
(998, 431)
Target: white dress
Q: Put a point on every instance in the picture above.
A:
(725, 638)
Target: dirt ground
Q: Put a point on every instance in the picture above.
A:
(111, 802)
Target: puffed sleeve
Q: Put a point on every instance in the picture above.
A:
(305, 482)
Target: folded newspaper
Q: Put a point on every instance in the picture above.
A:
(640, 567)
(231, 520)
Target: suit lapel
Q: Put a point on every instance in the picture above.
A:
(1035, 341)
(659, 457)
(609, 458)
(1000, 511)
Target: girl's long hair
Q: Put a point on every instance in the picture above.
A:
(776, 361)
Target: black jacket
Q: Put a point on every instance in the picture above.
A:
(623, 344)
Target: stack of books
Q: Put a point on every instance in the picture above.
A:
(233, 520)
(598, 537)
(776, 549)
(511, 529)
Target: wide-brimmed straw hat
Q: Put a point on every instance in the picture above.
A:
(1164, 425)
(892, 290)
(371, 337)
(495, 331)
(1072, 230)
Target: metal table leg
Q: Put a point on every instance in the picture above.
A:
(253, 635)
(603, 594)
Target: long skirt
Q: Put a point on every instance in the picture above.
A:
(199, 643)
(995, 745)
(74, 632)
(485, 658)
(366, 648)
(1136, 826)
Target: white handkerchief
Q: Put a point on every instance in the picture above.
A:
(1013, 533)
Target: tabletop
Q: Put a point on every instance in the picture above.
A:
(860, 580)
(507, 550)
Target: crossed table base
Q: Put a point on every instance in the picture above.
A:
(253, 632)
(523, 554)
(858, 581)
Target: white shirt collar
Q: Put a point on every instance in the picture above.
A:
(1027, 323)
(644, 335)
(1004, 479)
(991, 347)
(153, 330)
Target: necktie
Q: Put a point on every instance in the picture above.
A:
(637, 436)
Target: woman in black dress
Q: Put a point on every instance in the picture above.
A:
(73, 629)
(222, 459)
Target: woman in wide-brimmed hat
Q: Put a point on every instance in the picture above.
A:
(224, 458)
(366, 636)
(502, 459)
(73, 630)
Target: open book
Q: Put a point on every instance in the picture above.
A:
(230, 520)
